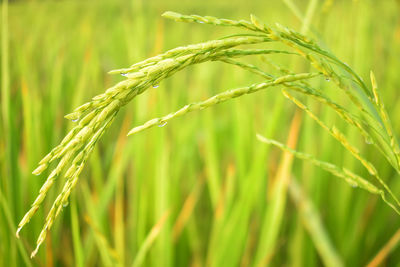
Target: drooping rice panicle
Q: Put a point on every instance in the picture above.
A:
(339, 136)
(351, 178)
(94, 117)
(385, 118)
(72, 175)
(221, 97)
(202, 48)
(382, 144)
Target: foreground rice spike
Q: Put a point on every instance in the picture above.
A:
(222, 97)
(385, 117)
(93, 118)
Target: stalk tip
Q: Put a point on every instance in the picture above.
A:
(171, 15)
(17, 233)
(33, 254)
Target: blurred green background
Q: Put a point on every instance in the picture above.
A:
(199, 191)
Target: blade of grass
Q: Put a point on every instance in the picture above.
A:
(12, 229)
(187, 210)
(76, 235)
(273, 217)
(312, 222)
(151, 237)
(267, 231)
(385, 250)
(108, 255)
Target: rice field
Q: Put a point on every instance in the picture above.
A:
(303, 173)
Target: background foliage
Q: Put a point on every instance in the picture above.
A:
(198, 191)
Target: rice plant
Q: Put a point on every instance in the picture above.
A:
(370, 118)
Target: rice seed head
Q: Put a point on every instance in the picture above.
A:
(257, 23)
(73, 116)
(40, 169)
(96, 116)
(172, 15)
